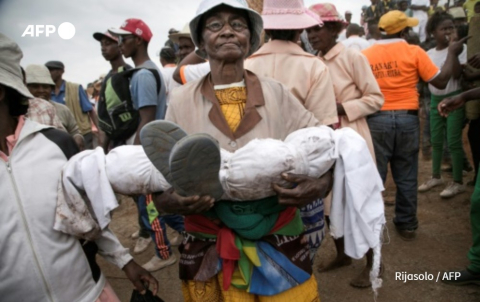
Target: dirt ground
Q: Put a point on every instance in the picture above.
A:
(442, 243)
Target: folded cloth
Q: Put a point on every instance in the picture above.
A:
(357, 212)
(85, 197)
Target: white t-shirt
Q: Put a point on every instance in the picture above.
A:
(420, 14)
(170, 83)
(355, 42)
(438, 58)
(342, 36)
(191, 73)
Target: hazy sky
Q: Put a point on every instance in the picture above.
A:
(81, 54)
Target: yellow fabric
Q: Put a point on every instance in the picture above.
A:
(212, 291)
(373, 8)
(232, 102)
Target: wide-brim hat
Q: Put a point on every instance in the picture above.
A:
(10, 70)
(185, 33)
(395, 21)
(327, 12)
(457, 13)
(38, 74)
(99, 36)
(286, 15)
(255, 20)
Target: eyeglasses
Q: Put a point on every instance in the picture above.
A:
(122, 38)
(216, 26)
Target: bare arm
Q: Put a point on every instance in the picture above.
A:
(448, 105)
(448, 69)
(147, 114)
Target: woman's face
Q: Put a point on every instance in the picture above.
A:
(321, 38)
(444, 32)
(225, 34)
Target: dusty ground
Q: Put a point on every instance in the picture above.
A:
(442, 244)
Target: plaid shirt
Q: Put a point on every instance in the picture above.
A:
(43, 112)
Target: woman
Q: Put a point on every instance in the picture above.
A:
(441, 27)
(357, 94)
(235, 106)
(309, 81)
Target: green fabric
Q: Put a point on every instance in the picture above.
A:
(474, 253)
(152, 212)
(253, 220)
(453, 124)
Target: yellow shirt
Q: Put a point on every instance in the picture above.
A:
(469, 6)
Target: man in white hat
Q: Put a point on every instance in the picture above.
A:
(40, 85)
(184, 42)
(51, 265)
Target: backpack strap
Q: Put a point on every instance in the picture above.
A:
(129, 73)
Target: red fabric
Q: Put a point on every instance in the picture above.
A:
(284, 218)
(226, 248)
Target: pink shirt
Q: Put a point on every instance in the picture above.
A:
(13, 139)
(304, 74)
(355, 88)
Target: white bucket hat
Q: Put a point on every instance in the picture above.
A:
(286, 14)
(255, 20)
(185, 33)
(10, 71)
(38, 74)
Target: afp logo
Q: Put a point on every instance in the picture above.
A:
(66, 31)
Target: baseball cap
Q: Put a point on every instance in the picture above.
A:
(395, 21)
(133, 27)
(99, 36)
(55, 65)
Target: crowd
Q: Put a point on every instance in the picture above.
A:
(230, 77)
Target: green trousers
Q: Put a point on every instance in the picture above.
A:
(453, 124)
(474, 253)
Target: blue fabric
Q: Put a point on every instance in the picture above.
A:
(314, 221)
(276, 274)
(82, 95)
(176, 222)
(146, 226)
(396, 136)
(143, 88)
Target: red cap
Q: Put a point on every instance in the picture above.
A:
(133, 26)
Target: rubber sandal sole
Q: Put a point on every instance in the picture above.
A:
(194, 165)
(158, 139)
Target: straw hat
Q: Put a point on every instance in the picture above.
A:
(185, 33)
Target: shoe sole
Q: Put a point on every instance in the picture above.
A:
(158, 139)
(194, 165)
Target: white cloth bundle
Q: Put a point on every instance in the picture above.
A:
(130, 172)
(249, 172)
